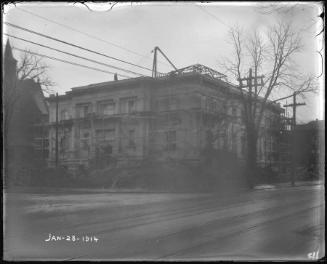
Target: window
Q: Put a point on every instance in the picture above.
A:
(105, 135)
(82, 110)
(85, 141)
(203, 102)
(261, 151)
(41, 145)
(64, 142)
(85, 145)
(171, 140)
(212, 105)
(67, 136)
(168, 103)
(46, 147)
(172, 119)
(234, 111)
(173, 102)
(164, 103)
(53, 115)
(243, 146)
(267, 122)
(131, 106)
(64, 114)
(234, 142)
(131, 138)
(127, 105)
(106, 107)
(38, 143)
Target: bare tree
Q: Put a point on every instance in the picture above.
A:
(28, 67)
(33, 67)
(272, 54)
(270, 8)
(289, 9)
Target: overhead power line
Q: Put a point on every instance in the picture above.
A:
(213, 16)
(74, 55)
(74, 45)
(87, 34)
(69, 62)
(81, 32)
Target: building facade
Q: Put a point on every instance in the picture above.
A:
(142, 118)
(310, 147)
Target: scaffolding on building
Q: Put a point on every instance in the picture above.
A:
(284, 149)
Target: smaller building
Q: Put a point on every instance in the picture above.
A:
(25, 116)
(310, 147)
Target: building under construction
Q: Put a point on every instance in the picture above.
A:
(167, 116)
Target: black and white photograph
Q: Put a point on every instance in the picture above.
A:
(163, 131)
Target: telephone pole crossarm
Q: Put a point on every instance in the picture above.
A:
(249, 81)
(290, 105)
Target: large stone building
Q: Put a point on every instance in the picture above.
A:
(168, 117)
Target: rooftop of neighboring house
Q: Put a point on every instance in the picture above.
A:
(29, 86)
(8, 52)
(35, 91)
(197, 71)
(315, 124)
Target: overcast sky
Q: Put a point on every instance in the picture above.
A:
(188, 33)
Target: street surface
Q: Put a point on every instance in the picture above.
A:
(271, 224)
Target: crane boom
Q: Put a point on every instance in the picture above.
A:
(154, 68)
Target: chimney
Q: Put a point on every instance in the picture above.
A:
(116, 77)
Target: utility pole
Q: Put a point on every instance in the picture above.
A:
(250, 101)
(57, 131)
(154, 67)
(294, 105)
(249, 106)
(248, 84)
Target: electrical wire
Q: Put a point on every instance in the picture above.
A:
(88, 35)
(81, 32)
(74, 55)
(69, 62)
(74, 45)
(213, 16)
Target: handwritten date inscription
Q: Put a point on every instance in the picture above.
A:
(71, 238)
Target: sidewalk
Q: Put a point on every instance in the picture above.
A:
(299, 183)
(287, 185)
(63, 190)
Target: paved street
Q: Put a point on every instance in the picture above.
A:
(282, 223)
